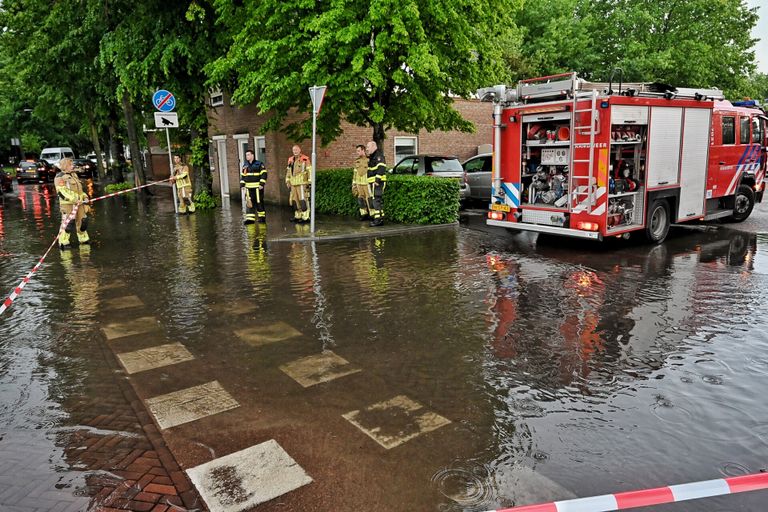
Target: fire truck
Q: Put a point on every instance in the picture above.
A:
(597, 160)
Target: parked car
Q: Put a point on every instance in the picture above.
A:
(6, 182)
(84, 168)
(38, 172)
(478, 169)
(439, 166)
(53, 155)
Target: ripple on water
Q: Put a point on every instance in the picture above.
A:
(466, 486)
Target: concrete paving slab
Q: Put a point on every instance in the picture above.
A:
(154, 357)
(129, 328)
(190, 404)
(266, 334)
(113, 285)
(395, 421)
(324, 367)
(234, 309)
(129, 301)
(244, 479)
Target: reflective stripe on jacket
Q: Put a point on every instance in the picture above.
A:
(181, 173)
(68, 188)
(360, 175)
(253, 175)
(298, 172)
(377, 168)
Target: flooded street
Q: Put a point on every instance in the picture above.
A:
(452, 369)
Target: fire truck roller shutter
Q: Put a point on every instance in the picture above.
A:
(695, 159)
(664, 146)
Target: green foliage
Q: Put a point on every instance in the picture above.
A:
(117, 187)
(205, 201)
(407, 199)
(696, 43)
(387, 63)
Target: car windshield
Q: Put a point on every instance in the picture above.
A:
(28, 165)
(51, 156)
(445, 165)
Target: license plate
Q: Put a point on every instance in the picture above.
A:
(501, 207)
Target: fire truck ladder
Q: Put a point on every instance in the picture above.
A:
(580, 174)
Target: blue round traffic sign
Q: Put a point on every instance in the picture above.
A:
(164, 101)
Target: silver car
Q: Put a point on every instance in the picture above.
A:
(437, 166)
(478, 169)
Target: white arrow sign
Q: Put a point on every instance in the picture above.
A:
(166, 120)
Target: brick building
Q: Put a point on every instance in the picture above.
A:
(233, 130)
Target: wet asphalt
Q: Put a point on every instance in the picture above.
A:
(452, 368)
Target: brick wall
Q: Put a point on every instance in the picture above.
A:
(229, 121)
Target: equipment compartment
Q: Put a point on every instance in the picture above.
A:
(545, 160)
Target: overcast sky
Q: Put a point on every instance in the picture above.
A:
(761, 32)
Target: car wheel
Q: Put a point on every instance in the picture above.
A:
(658, 222)
(744, 202)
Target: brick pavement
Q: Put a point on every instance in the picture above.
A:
(104, 454)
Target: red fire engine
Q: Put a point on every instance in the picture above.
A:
(583, 159)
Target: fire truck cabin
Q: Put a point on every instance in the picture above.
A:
(594, 160)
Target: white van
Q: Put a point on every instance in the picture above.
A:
(54, 155)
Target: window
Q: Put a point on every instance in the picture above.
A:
(443, 165)
(405, 146)
(729, 130)
(406, 166)
(744, 130)
(757, 130)
(217, 97)
(474, 165)
(260, 143)
(242, 146)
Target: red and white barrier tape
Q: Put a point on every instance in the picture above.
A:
(16, 291)
(648, 497)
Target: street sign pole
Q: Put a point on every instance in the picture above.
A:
(165, 102)
(314, 165)
(170, 163)
(316, 93)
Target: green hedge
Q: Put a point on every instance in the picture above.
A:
(407, 199)
(117, 187)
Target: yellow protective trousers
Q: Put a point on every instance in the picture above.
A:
(75, 226)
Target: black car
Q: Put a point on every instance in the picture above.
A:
(84, 167)
(37, 172)
(6, 182)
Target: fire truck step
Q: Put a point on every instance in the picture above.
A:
(718, 214)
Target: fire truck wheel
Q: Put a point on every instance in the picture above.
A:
(743, 203)
(658, 222)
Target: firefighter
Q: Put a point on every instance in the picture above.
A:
(253, 176)
(360, 183)
(71, 195)
(377, 180)
(298, 178)
(183, 186)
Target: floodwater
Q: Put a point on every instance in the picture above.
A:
(488, 370)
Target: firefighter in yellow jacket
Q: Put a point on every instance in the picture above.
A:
(377, 180)
(298, 178)
(71, 195)
(253, 177)
(360, 183)
(183, 186)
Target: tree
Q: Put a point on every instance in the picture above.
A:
(689, 43)
(387, 63)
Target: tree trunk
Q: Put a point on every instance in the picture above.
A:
(115, 164)
(133, 142)
(202, 173)
(100, 168)
(378, 136)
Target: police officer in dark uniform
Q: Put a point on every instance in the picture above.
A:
(253, 176)
(377, 180)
